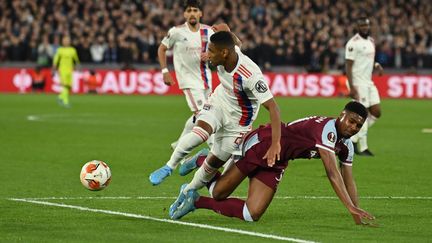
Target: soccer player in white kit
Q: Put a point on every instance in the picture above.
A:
(360, 64)
(232, 108)
(189, 42)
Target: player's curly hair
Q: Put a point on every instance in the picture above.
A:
(191, 3)
(357, 108)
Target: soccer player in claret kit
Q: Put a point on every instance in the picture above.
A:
(310, 137)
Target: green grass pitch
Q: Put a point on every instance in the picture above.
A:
(43, 146)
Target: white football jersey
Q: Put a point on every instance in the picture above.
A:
(187, 47)
(362, 52)
(241, 91)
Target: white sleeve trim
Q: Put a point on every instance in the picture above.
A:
(323, 147)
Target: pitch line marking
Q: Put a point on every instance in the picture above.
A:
(139, 216)
(427, 130)
(277, 197)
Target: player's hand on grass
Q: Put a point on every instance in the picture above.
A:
(353, 93)
(361, 217)
(168, 80)
(273, 154)
(220, 27)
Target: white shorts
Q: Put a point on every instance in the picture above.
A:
(228, 134)
(368, 95)
(196, 98)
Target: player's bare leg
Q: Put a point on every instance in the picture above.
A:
(374, 114)
(222, 188)
(259, 198)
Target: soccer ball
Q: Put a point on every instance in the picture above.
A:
(95, 175)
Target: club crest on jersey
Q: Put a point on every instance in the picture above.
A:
(207, 107)
(350, 49)
(260, 86)
(331, 137)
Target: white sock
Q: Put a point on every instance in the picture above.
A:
(246, 214)
(186, 144)
(210, 141)
(354, 138)
(189, 124)
(362, 138)
(202, 176)
(371, 120)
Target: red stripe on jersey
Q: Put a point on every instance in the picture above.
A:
(242, 73)
(203, 68)
(246, 70)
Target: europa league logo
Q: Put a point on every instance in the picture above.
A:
(22, 80)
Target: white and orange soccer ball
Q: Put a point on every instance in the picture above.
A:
(95, 175)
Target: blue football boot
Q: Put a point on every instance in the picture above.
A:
(160, 174)
(190, 164)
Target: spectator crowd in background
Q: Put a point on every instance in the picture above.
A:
(310, 34)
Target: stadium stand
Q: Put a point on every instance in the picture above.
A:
(310, 34)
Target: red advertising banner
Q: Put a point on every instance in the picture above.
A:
(281, 84)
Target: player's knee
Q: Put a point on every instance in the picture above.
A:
(375, 111)
(377, 114)
(219, 194)
(255, 214)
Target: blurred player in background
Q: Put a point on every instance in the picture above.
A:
(189, 43)
(65, 60)
(360, 64)
(310, 137)
(231, 110)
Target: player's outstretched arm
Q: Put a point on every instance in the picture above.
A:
(350, 184)
(273, 153)
(168, 80)
(329, 161)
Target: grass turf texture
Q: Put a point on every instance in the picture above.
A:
(42, 157)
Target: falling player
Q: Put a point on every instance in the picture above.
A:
(311, 137)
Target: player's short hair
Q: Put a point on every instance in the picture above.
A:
(223, 39)
(357, 108)
(191, 3)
